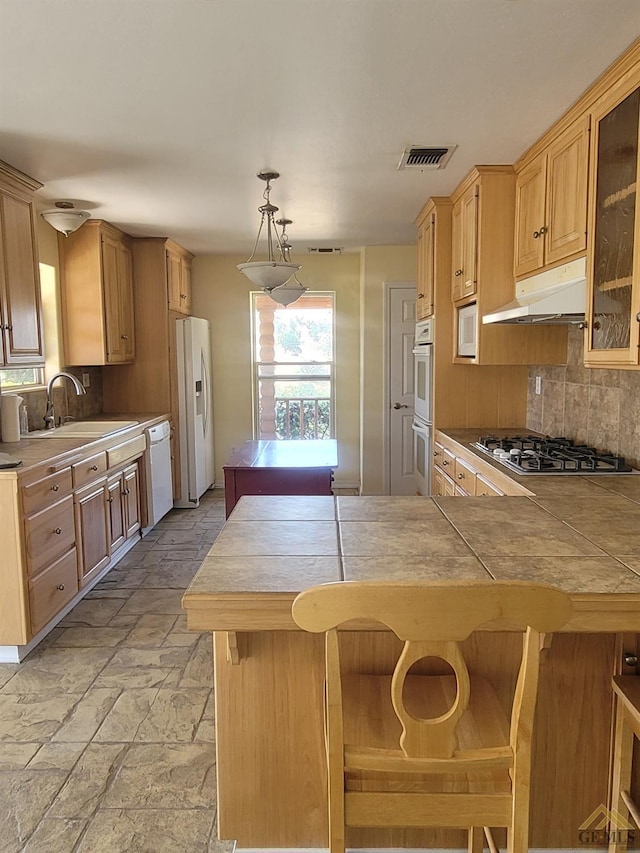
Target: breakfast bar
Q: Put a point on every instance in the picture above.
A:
(582, 536)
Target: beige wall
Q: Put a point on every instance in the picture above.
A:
(221, 295)
(379, 264)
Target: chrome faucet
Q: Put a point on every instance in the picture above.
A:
(49, 415)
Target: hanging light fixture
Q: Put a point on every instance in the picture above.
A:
(276, 270)
(287, 292)
(65, 218)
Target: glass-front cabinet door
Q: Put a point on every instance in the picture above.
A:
(614, 225)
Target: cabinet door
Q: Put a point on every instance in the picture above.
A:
(530, 217)
(174, 280)
(567, 167)
(614, 280)
(92, 527)
(470, 242)
(185, 286)
(420, 299)
(428, 268)
(115, 512)
(131, 493)
(125, 301)
(20, 310)
(457, 261)
(110, 278)
(437, 479)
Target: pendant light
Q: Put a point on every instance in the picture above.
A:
(65, 218)
(277, 269)
(288, 292)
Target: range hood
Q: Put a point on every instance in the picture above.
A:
(556, 296)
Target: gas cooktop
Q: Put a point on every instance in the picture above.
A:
(531, 454)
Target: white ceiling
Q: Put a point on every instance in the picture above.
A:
(157, 114)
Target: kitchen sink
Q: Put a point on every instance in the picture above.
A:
(83, 429)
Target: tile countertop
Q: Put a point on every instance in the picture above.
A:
(39, 451)
(272, 548)
(548, 485)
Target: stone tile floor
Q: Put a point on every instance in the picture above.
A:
(106, 729)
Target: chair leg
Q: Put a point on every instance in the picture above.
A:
(518, 832)
(622, 760)
(476, 839)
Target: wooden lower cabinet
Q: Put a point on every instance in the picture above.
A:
(457, 471)
(52, 589)
(93, 530)
(115, 512)
(123, 506)
(61, 527)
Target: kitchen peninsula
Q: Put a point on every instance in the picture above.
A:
(269, 675)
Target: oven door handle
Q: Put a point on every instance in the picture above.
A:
(420, 429)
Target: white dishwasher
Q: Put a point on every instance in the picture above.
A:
(158, 470)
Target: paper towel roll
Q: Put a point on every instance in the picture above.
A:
(10, 417)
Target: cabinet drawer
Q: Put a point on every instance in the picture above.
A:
(51, 590)
(465, 477)
(49, 534)
(448, 461)
(45, 492)
(128, 450)
(89, 469)
(484, 487)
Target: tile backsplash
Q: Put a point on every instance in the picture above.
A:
(594, 406)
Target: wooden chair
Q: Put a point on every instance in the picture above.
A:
(626, 690)
(465, 767)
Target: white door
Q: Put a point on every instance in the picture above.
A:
(401, 322)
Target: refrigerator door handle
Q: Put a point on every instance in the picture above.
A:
(205, 386)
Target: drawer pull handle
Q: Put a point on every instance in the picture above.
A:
(109, 500)
(55, 487)
(94, 468)
(60, 587)
(445, 462)
(126, 491)
(124, 337)
(183, 296)
(461, 476)
(58, 531)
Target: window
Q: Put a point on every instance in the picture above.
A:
(293, 367)
(21, 377)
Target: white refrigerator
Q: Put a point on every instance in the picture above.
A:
(193, 347)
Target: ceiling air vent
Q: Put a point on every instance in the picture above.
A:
(426, 157)
(321, 250)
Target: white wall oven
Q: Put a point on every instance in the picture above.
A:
(423, 402)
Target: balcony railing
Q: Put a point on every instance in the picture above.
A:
(303, 417)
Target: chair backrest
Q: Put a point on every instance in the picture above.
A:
(433, 618)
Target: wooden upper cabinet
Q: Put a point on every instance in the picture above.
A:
(179, 278)
(464, 266)
(426, 261)
(483, 256)
(613, 264)
(97, 295)
(20, 306)
(456, 252)
(469, 219)
(551, 202)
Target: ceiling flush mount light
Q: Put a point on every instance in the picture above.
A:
(65, 218)
(288, 292)
(277, 269)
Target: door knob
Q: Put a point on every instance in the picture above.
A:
(400, 406)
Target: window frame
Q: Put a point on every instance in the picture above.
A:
(256, 364)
